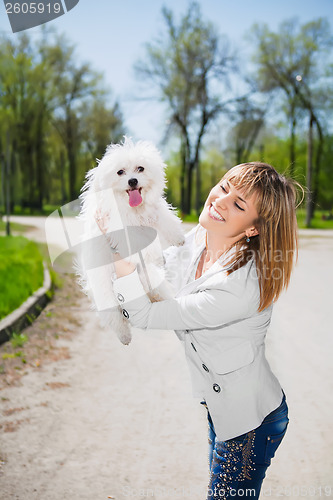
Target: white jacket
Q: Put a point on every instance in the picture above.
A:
(216, 318)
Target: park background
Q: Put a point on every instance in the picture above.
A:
(235, 82)
(212, 84)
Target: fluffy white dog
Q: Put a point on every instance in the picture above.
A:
(126, 189)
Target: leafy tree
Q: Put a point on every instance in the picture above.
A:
(100, 126)
(44, 89)
(213, 164)
(250, 119)
(17, 100)
(285, 59)
(75, 82)
(189, 64)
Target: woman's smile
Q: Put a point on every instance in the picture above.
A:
(236, 214)
(214, 214)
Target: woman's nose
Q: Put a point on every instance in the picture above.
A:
(222, 202)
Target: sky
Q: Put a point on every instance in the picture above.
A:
(111, 35)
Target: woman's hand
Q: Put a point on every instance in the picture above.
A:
(101, 220)
(122, 267)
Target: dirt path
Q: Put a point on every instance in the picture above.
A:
(116, 421)
(109, 420)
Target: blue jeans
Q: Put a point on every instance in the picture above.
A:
(238, 466)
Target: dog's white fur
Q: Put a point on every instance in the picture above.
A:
(120, 164)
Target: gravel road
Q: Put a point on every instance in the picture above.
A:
(116, 421)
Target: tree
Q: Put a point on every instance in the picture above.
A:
(189, 64)
(43, 90)
(100, 126)
(285, 59)
(17, 100)
(74, 82)
(250, 119)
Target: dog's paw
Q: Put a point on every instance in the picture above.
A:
(125, 338)
(181, 242)
(177, 242)
(154, 297)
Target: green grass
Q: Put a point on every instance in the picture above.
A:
(21, 271)
(47, 210)
(317, 221)
(14, 227)
(18, 339)
(192, 217)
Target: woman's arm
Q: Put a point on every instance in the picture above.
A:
(210, 308)
(122, 267)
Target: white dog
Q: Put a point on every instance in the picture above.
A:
(126, 189)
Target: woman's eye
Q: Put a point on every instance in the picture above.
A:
(120, 172)
(239, 208)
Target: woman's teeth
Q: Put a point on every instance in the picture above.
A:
(215, 214)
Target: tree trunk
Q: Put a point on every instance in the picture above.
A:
(239, 151)
(39, 163)
(292, 142)
(71, 157)
(188, 206)
(31, 179)
(62, 177)
(262, 152)
(196, 163)
(198, 190)
(316, 173)
(7, 177)
(183, 178)
(309, 174)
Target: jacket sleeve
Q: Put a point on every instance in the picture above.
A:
(208, 308)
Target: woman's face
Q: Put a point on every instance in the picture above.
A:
(228, 213)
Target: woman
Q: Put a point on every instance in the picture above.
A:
(226, 285)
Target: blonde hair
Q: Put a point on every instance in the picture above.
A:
(276, 245)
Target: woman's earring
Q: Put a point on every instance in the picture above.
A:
(247, 240)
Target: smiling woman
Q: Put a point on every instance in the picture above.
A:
(272, 238)
(226, 282)
(235, 217)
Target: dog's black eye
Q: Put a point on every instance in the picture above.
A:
(140, 169)
(120, 172)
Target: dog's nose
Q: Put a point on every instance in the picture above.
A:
(133, 182)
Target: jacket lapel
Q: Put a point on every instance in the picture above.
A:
(194, 284)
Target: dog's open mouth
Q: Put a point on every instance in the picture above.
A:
(135, 197)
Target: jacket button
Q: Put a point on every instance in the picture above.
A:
(217, 388)
(120, 297)
(205, 368)
(193, 346)
(125, 313)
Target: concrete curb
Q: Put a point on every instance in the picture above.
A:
(28, 311)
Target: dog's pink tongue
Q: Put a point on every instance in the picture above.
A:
(135, 197)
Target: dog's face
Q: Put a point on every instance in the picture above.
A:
(135, 172)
